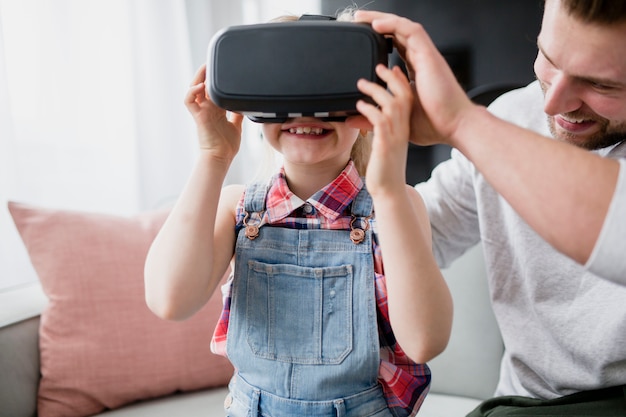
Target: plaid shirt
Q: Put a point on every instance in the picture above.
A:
(405, 383)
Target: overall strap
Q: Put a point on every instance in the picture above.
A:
(254, 197)
(254, 207)
(362, 206)
(362, 212)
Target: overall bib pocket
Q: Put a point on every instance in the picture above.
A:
(311, 322)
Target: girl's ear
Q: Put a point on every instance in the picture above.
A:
(363, 132)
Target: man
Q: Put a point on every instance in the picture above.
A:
(545, 192)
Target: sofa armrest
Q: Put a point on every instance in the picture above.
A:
(19, 343)
(21, 302)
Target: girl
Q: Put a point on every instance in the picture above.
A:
(312, 322)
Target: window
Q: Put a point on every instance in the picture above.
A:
(91, 104)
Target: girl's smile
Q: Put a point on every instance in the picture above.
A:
(310, 140)
(307, 129)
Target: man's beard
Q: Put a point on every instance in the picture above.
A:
(607, 135)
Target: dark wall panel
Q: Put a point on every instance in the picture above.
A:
(485, 42)
(501, 34)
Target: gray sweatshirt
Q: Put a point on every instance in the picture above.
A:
(563, 324)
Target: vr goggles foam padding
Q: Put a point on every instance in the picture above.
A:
(274, 71)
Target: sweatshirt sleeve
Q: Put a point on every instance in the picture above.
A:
(451, 204)
(608, 258)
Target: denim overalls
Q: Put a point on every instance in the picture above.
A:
(302, 332)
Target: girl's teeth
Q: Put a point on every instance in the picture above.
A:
(306, 130)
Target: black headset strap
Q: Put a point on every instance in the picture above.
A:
(316, 17)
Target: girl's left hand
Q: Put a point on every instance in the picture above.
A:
(219, 132)
(386, 171)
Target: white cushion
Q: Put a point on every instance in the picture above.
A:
(210, 403)
(439, 405)
(470, 365)
(201, 404)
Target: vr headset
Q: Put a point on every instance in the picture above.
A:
(275, 71)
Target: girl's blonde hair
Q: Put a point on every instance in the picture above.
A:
(362, 148)
(361, 151)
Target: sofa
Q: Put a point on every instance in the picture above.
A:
(41, 366)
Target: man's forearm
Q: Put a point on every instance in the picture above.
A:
(561, 191)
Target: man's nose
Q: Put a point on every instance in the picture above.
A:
(562, 96)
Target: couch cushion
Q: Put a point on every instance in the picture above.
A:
(19, 368)
(20, 308)
(100, 346)
(211, 403)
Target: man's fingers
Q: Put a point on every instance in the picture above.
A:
(367, 16)
(388, 24)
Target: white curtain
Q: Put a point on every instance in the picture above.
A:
(91, 104)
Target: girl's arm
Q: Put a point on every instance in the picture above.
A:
(420, 304)
(193, 248)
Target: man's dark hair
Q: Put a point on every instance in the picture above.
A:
(597, 11)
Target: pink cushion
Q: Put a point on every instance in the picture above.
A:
(100, 346)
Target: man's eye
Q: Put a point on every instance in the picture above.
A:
(602, 87)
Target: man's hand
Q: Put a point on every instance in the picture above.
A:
(439, 101)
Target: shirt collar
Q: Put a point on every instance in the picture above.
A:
(331, 201)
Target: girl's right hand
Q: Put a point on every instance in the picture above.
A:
(218, 133)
